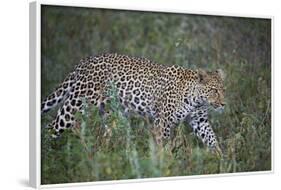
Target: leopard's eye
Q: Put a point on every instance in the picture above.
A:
(215, 90)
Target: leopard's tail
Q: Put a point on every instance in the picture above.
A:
(60, 93)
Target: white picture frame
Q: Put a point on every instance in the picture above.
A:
(35, 92)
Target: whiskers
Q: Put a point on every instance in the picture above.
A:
(219, 109)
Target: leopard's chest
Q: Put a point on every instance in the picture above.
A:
(189, 105)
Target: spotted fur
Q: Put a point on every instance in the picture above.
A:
(166, 94)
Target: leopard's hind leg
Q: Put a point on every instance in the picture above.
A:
(80, 94)
(61, 92)
(65, 118)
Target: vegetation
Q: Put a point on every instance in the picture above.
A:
(118, 147)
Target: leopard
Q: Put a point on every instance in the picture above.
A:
(167, 94)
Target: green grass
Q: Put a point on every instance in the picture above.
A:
(125, 148)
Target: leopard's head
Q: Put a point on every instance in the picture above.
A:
(212, 87)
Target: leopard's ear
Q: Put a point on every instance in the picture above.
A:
(202, 75)
(221, 73)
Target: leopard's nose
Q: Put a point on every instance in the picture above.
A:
(223, 104)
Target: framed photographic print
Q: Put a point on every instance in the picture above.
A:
(121, 94)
